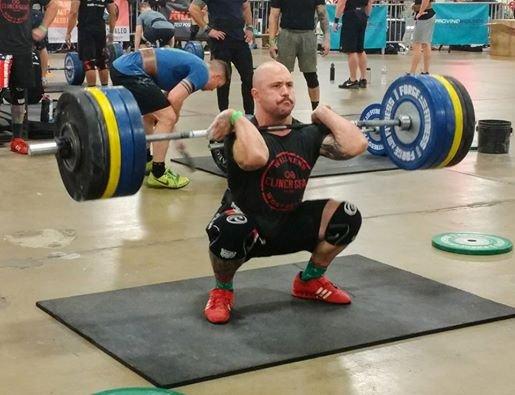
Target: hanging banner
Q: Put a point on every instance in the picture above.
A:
(460, 24)
(57, 30)
(375, 35)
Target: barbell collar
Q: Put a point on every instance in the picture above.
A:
(45, 148)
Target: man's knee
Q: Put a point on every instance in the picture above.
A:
(231, 235)
(312, 80)
(166, 116)
(88, 65)
(17, 96)
(100, 62)
(344, 224)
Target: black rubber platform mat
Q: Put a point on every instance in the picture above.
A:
(159, 331)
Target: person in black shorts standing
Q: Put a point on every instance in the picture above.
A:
(230, 31)
(298, 39)
(16, 36)
(352, 39)
(91, 35)
(263, 212)
(38, 12)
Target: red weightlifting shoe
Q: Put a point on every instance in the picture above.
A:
(219, 304)
(319, 289)
(19, 146)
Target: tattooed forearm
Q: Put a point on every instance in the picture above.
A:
(322, 18)
(332, 149)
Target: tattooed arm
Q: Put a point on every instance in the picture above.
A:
(345, 140)
(324, 25)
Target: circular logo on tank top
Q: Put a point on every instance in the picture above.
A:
(15, 11)
(284, 180)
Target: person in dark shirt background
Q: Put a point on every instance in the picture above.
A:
(297, 39)
(91, 35)
(16, 40)
(230, 31)
(354, 15)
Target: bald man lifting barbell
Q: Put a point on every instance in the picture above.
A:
(263, 212)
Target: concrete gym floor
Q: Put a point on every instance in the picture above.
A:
(53, 247)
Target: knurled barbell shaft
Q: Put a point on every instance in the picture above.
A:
(51, 147)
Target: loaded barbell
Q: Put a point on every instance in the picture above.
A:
(100, 144)
(74, 71)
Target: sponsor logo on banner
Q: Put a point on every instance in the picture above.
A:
(57, 30)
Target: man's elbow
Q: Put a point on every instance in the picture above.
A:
(360, 145)
(253, 161)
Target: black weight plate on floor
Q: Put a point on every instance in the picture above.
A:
(73, 70)
(138, 139)
(469, 119)
(85, 175)
(125, 182)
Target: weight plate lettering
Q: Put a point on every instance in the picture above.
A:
(375, 139)
(417, 147)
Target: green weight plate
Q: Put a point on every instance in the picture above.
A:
(472, 243)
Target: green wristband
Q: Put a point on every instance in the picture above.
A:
(43, 27)
(235, 116)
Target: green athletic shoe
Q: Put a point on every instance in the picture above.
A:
(148, 167)
(169, 179)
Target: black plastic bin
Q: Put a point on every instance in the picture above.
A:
(493, 136)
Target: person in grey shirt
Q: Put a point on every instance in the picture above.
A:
(154, 27)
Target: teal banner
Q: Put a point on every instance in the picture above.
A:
(460, 24)
(375, 35)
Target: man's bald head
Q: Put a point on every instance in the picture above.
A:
(272, 90)
(264, 71)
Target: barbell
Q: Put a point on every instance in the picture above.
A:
(73, 69)
(423, 122)
(100, 143)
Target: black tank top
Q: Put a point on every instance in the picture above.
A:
(270, 193)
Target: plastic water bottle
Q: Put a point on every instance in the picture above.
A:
(51, 111)
(383, 75)
(369, 75)
(331, 73)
